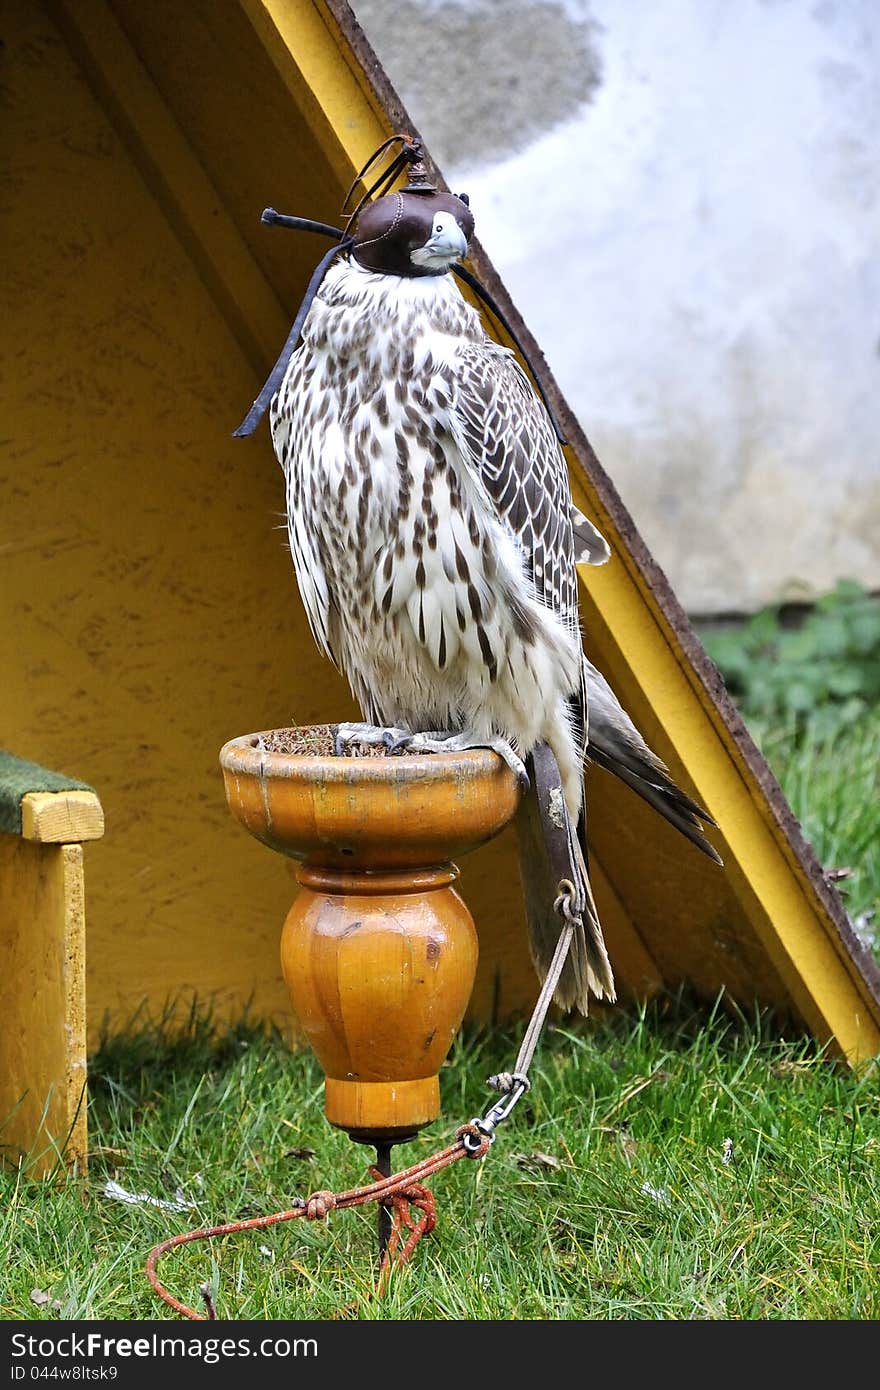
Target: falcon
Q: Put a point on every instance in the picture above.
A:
(434, 541)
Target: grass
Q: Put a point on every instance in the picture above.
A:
(831, 780)
(807, 681)
(666, 1165)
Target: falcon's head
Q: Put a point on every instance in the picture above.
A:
(413, 234)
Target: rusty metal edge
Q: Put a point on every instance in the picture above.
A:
(707, 674)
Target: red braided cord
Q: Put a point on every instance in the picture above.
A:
(403, 1190)
(413, 1196)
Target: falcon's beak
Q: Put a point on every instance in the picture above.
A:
(450, 244)
(444, 246)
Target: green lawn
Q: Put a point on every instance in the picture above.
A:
(831, 779)
(671, 1165)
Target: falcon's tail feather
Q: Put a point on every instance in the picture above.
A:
(549, 854)
(616, 744)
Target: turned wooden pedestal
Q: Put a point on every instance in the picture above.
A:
(378, 950)
(380, 967)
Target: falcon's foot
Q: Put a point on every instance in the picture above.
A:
(435, 742)
(348, 736)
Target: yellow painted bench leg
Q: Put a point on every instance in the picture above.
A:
(44, 818)
(42, 1004)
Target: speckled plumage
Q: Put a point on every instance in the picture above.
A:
(430, 518)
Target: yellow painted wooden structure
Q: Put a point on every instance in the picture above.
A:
(149, 608)
(42, 979)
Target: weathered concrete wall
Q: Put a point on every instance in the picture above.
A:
(684, 201)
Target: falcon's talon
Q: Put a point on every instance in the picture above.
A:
(513, 760)
(435, 742)
(396, 741)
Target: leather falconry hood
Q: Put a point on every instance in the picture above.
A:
(387, 230)
(396, 224)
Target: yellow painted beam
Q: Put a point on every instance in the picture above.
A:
(770, 882)
(303, 41)
(42, 998)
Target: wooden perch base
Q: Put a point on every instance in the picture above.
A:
(380, 968)
(379, 951)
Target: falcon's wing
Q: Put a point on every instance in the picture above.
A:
(506, 437)
(504, 432)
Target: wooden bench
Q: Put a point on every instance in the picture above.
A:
(44, 820)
